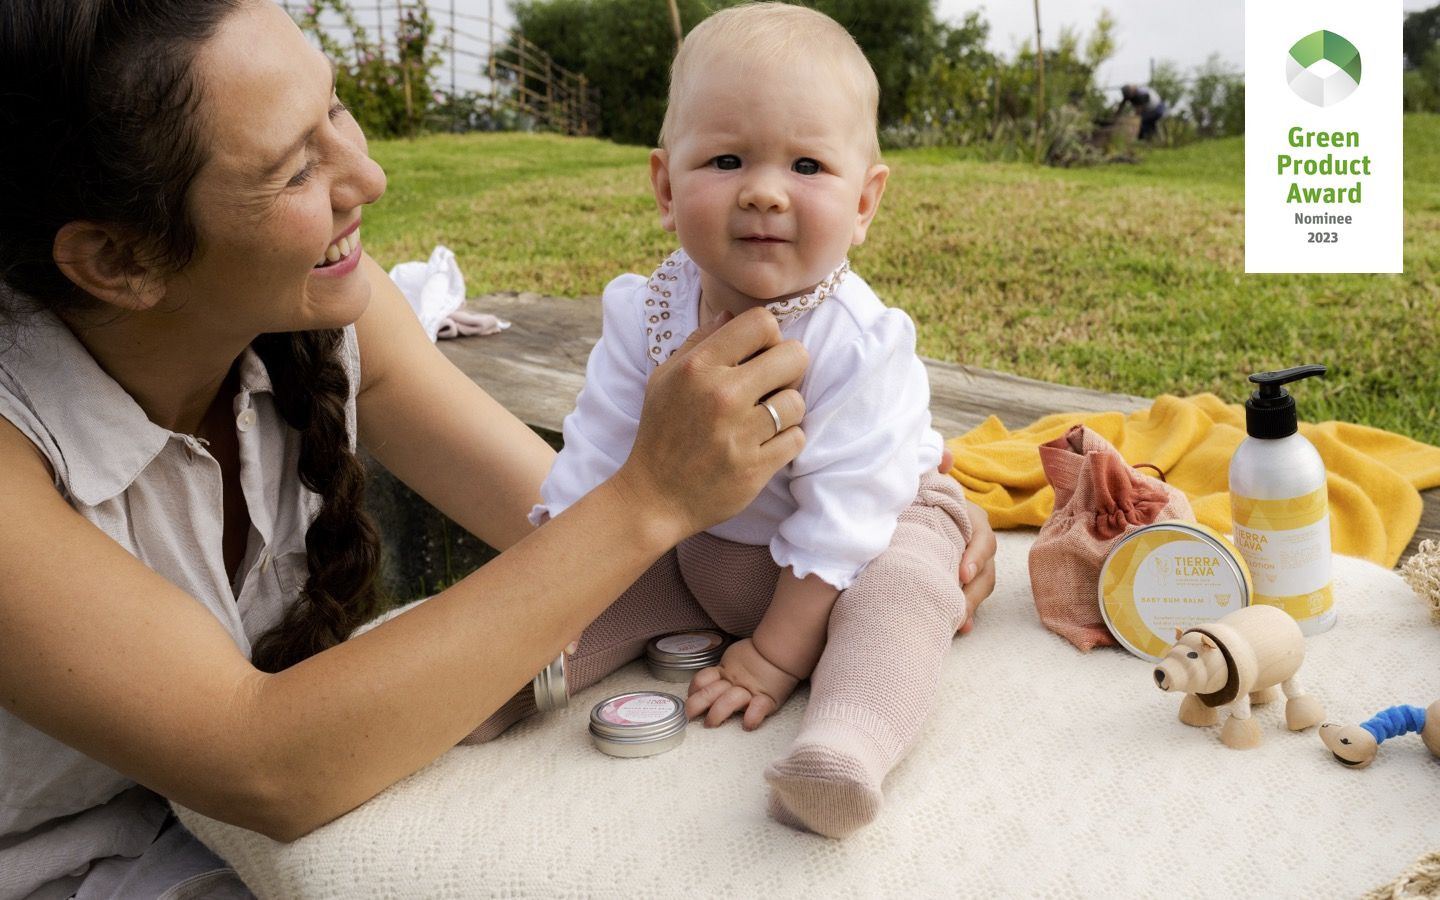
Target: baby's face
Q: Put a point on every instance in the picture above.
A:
(769, 181)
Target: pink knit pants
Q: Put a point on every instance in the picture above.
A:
(887, 635)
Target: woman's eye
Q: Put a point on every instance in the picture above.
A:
(337, 108)
(806, 166)
(727, 161)
(303, 175)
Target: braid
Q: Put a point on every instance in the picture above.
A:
(342, 546)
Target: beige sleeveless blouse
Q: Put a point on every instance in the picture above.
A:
(158, 494)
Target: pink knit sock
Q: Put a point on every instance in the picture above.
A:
(875, 682)
(657, 603)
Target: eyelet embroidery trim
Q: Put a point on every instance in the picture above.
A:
(657, 306)
(663, 285)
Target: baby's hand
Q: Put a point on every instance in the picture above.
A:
(743, 680)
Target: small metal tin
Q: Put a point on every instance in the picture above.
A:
(638, 723)
(1165, 576)
(678, 656)
(549, 685)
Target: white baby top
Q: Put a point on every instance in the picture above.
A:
(867, 419)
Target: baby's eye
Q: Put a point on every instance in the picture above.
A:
(806, 166)
(338, 107)
(726, 161)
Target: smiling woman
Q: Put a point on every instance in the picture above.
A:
(195, 344)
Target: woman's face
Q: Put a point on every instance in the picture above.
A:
(276, 205)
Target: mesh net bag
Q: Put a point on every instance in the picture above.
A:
(1099, 499)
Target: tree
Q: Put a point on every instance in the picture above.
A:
(1420, 39)
(624, 49)
(1420, 35)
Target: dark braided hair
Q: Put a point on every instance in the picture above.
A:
(342, 545)
(98, 108)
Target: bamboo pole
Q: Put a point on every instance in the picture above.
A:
(675, 24)
(454, 106)
(491, 22)
(1040, 69)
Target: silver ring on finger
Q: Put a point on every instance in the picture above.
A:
(774, 416)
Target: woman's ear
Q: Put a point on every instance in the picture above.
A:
(660, 183)
(101, 261)
(870, 196)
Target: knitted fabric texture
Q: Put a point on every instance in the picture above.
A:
(1374, 477)
(1098, 500)
(1039, 773)
(875, 685)
(875, 681)
(657, 603)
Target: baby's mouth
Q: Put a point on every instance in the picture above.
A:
(341, 249)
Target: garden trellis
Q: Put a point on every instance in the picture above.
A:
(477, 72)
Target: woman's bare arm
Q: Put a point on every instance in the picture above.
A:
(439, 432)
(107, 656)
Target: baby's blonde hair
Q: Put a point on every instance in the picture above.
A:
(767, 32)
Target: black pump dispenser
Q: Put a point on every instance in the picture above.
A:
(1270, 411)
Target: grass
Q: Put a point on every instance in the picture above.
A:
(1123, 278)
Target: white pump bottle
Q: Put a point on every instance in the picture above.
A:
(1280, 507)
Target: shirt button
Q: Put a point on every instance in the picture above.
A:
(246, 420)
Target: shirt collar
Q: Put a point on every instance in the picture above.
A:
(104, 437)
(674, 291)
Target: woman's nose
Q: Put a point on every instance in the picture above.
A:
(359, 179)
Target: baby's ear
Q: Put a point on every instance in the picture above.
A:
(870, 196)
(660, 183)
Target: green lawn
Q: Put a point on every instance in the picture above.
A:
(1125, 278)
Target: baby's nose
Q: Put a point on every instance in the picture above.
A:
(764, 192)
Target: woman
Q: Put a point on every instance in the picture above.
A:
(195, 339)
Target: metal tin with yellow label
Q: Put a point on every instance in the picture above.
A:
(1166, 576)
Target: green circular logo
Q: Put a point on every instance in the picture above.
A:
(1323, 68)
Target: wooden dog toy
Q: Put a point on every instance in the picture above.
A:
(1356, 745)
(1236, 662)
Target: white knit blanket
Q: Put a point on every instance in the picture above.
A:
(1042, 773)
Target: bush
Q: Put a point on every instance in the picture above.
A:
(1217, 100)
(388, 97)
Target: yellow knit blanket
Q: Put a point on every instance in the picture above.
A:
(1374, 476)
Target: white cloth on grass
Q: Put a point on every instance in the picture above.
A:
(436, 292)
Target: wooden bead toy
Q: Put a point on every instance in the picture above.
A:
(1355, 746)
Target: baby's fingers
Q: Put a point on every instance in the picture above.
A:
(705, 688)
(758, 711)
(726, 705)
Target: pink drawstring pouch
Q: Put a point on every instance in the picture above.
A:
(1099, 499)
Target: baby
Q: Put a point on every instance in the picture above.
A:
(843, 570)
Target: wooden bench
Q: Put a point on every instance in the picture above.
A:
(536, 368)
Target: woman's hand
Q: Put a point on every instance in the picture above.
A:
(705, 446)
(977, 563)
(745, 681)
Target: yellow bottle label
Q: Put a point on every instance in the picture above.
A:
(1286, 544)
